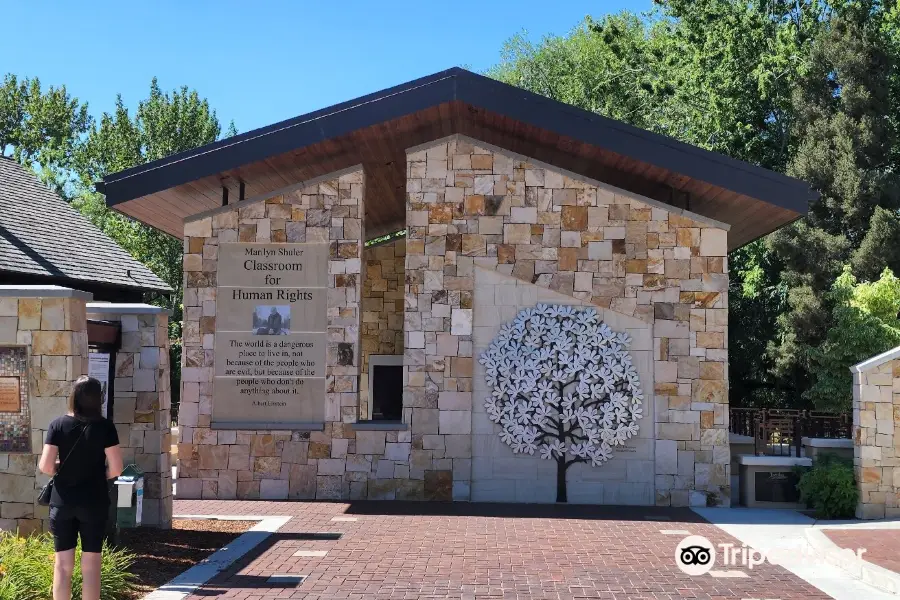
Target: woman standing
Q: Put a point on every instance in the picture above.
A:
(88, 447)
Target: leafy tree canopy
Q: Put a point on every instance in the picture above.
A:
(42, 128)
(164, 124)
(864, 323)
(806, 87)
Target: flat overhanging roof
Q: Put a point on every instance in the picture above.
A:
(376, 130)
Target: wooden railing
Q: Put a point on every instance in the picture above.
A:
(779, 431)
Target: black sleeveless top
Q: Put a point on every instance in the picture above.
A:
(82, 481)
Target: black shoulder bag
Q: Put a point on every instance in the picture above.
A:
(47, 491)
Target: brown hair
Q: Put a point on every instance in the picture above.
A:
(86, 401)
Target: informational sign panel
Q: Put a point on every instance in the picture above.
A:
(270, 340)
(98, 368)
(10, 395)
(15, 416)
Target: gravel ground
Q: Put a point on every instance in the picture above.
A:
(161, 554)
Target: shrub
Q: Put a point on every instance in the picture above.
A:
(829, 488)
(26, 570)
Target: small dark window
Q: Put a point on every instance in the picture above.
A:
(387, 392)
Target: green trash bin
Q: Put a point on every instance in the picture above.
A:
(129, 497)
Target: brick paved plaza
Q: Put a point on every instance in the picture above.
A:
(882, 545)
(472, 551)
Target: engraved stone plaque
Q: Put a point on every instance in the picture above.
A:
(249, 355)
(270, 340)
(269, 400)
(273, 265)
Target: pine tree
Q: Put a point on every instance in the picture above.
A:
(843, 104)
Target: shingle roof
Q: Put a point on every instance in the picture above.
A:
(40, 234)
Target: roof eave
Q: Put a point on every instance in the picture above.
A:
(163, 288)
(475, 90)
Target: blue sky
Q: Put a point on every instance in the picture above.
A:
(260, 61)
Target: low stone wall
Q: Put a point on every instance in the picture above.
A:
(49, 325)
(142, 400)
(876, 452)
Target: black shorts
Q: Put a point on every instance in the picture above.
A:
(68, 522)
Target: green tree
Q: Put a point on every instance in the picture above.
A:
(844, 104)
(714, 73)
(42, 129)
(164, 124)
(864, 323)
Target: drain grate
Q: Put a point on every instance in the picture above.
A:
(316, 535)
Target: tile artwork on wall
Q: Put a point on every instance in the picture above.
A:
(564, 386)
(15, 425)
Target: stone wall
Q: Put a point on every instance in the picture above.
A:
(52, 322)
(382, 309)
(142, 401)
(472, 204)
(661, 270)
(876, 449)
(278, 464)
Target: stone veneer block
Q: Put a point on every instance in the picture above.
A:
(282, 464)
(381, 327)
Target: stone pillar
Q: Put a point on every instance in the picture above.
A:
(43, 339)
(342, 363)
(142, 400)
(876, 447)
(438, 371)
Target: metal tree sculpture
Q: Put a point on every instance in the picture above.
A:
(562, 385)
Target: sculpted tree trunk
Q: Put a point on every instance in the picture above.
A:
(561, 468)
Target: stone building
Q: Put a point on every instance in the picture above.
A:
(327, 356)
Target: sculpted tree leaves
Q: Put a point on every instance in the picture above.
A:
(563, 385)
